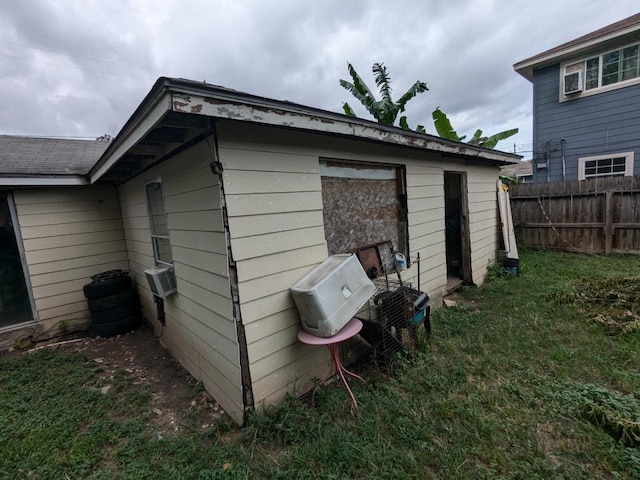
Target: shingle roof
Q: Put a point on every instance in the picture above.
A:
(26, 156)
(518, 169)
(626, 26)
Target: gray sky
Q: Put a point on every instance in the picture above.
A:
(80, 68)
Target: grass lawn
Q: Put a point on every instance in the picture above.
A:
(536, 376)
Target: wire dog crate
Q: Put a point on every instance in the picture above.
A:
(391, 317)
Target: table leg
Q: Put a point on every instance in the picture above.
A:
(351, 373)
(335, 354)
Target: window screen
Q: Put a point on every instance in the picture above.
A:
(158, 223)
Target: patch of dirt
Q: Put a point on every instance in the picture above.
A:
(178, 401)
(550, 443)
(457, 299)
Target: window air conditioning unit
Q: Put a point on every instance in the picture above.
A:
(162, 281)
(573, 82)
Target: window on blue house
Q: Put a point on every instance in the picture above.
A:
(612, 165)
(616, 68)
(593, 69)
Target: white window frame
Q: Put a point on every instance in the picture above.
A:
(628, 170)
(155, 237)
(600, 88)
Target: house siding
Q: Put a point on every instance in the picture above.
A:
(274, 200)
(200, 330)
(68, 234)
(598, 124)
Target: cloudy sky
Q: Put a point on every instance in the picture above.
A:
(80, 68)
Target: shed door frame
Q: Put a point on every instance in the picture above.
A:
(23, 259)
(465, 238)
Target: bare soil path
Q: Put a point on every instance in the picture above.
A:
(178, 401)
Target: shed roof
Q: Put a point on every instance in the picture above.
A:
(178, 111)
(614, 34)
(28, 157)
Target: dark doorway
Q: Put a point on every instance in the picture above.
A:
(15, 305)
(457, 230)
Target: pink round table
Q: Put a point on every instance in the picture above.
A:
(350, 330)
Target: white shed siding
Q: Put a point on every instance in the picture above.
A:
(200, 330)
(277, 235)
(68, 235)
(483, 219)
(274, 202)
(425, 199)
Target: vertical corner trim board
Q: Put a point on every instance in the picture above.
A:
(245, 373)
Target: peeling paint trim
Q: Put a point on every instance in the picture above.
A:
(196, 98)
(333, 124)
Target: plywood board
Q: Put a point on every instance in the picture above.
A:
(360, 212)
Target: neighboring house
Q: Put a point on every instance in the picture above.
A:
(521, 171)
(243, 195)
(586, 105)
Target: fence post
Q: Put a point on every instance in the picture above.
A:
(608, 222)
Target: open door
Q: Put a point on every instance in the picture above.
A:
(15, 300)
(456, 210)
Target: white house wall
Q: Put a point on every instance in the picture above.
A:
(274, 200)
(200, 331)
(69, 234)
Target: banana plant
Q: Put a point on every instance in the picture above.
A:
(444, 129)
(385, 110)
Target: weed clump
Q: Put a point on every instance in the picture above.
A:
(613, 303)
(497, 270)
(616, 413)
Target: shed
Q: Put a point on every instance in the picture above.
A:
(242, 195)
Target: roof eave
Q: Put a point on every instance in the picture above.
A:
(276, 113)
(185, 96)
(42, 180)
(148, 114)
(550, 57)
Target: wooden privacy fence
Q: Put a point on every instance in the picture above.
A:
(600, 215)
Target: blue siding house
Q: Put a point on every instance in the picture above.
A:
(586, 105)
